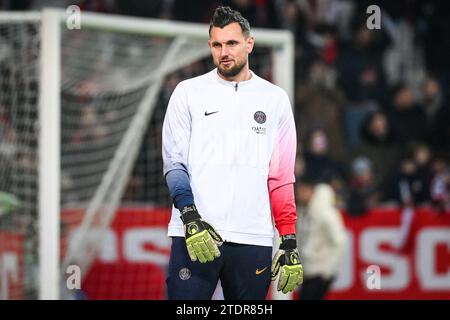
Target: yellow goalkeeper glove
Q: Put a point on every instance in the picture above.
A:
(202, 240)
(288, 260)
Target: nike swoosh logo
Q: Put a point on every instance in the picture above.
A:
(210, 113)
(258, 272)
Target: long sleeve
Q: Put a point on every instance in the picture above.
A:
(176, 134)
(179, 188)
(281, 172)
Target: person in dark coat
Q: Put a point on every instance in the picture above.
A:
(409, 122)
(377, 145)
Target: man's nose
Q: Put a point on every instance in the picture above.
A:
(224, 51)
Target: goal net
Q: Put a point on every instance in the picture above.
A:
(83, 202)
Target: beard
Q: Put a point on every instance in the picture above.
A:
(231, 72)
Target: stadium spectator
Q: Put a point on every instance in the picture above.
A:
(440, 185)
(376, 144)
(407, 187)
(319, 104)
(433, 98)
(409, 190)
(363, 193)
(422, 157)
(317, 161)
(409, 117)
(321, 237)
(438, 113)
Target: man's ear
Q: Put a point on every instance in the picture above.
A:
(250, 43)
(209, 43)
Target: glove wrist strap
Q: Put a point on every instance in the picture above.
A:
(288, 242)
(189, 213)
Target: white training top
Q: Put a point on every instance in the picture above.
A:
(231, 139)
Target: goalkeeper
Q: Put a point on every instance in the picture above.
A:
(229, 145)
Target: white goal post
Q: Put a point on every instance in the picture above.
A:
(107, 193)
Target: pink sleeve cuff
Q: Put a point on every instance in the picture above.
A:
(283, 209)
(286, 229)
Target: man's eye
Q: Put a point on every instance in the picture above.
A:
(216, 45)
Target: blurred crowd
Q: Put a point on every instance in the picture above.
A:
(371, 106)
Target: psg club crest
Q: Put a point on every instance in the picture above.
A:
(185, 274)
(260, 117)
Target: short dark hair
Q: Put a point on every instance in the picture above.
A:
(224, 16)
